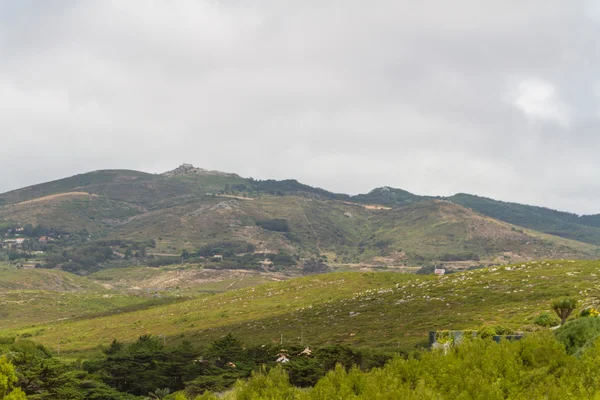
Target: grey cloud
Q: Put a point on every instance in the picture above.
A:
(339, 94)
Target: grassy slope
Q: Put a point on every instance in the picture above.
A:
(12, 278)
(374, 309)
(37, 296)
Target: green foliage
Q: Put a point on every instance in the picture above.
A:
(459, 256)
(345, 308)
(282, 258)
(486, 332)
(41, 376)
(546, 320)
(314, 266)
(276, 224)
(159, 394)
(225, 248)
(145, 365)
(579, 333)
(564, 307)
(227, 349)
(585, 312)
(426, 270)
(533, 368)
(273, 385)
(564, 224)
(503, 330)
(8, 378)
(80, 259)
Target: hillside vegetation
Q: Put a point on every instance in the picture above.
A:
(362, 309)
(188, 209)
(585, 228)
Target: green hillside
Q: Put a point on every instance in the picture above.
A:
(33, 297)
(12, 278)
(366, 309)
(582, 228)
(105, 219)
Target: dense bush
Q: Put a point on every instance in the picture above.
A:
(79, 259)
(546, 320)
(282, 259)
(225, 248)
(8, 378)
(579, 334)
(277, 224)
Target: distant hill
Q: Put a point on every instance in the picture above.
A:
(189, 208)
(584, 228)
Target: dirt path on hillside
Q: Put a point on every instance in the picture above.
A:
(235, 197)
(56, 196)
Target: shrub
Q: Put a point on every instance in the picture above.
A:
(578, 333)
(503, 330)
(486, 332)
(546, 320)
(277, 225)
(426, 270)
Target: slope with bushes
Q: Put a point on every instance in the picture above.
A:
(364, 309)
(190, 208)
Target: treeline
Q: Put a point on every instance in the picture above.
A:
(281, 188)
(147, 364)
(236, 255)
(40, 375)
(537, 367)
(126, 371)
(90, 256)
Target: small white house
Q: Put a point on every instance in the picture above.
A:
(439, 271)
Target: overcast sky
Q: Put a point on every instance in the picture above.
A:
(497, 98)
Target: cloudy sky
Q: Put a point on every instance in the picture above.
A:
(497, 98)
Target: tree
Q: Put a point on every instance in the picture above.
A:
(227, 349)
(185, 255)
(8, 378)
(314, 266)
(564, 307)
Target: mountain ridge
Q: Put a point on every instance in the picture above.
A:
(192, 207)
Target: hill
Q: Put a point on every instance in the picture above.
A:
(108, 218)
(584, 228)
(12, 278)
(37, 296)
(365, 309)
